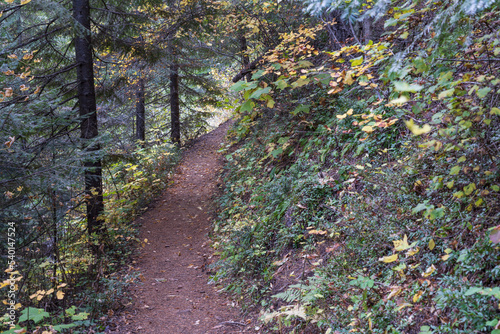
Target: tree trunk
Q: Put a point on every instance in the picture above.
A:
(244, 56)
(175, 134)
(367, 29)
(88, 116)
(140, 115)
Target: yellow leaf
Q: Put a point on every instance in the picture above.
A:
(367, 129)
(412, 252)
(400, 100)
(417, 296)
(429, 271)
(9, 143)
(342, 116)
(389, 259)
(24, 2)
(348, 79)
(432, 244)
(395, 290)
(349, 112)
(446, 93)
(8, 92)
(401, 245)
(402, 306)
(382, 124)
(415, 129)
(445, 257)
(12, 56)
(60, 295)
(392, 121)
(318, 232)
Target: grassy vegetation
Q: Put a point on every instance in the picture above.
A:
(365, 197)
(85, 292)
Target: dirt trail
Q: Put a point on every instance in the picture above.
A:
(174, 296)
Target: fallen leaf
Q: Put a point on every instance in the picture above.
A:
(403, 305)
(429, 271)
(412, 252)
(417, 296)
(495, 234)
(417, 130)
(401, 245)
(389, 259)
(318, 232)
(367, 129)
(395, 290)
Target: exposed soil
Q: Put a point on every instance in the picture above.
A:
(174, 295)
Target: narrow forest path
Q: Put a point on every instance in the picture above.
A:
(174, 296)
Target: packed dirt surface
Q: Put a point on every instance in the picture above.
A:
(174, 295)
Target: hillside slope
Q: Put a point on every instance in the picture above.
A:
(362, 189)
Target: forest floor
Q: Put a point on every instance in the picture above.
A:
(174, 295)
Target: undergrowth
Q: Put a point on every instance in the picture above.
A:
(85, 290)
(371, 209)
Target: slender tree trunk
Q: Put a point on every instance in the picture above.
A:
(55, 241)
(367, 29)
(175, 134)
(88, 115)
(244, 56)
(140, 114)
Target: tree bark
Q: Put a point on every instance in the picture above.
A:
(88, 115)
(140, 114)
(367, 29)
(175, 134)
(245, 60)
(252, 66)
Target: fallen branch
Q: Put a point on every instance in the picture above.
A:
(231, 323)
(469, 60)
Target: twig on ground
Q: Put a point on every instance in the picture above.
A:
(232, 323)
